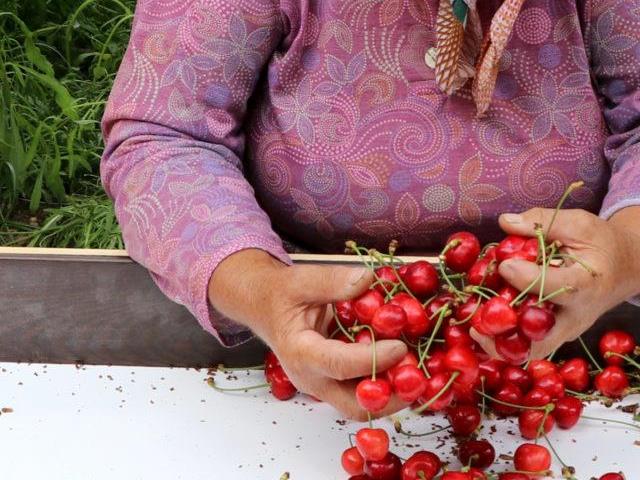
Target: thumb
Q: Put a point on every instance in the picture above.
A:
(327, 284)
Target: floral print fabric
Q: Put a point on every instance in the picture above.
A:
(322, 120)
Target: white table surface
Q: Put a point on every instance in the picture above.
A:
(159, 423)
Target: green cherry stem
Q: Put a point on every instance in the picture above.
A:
(526, 291)
(560, 291)
(626, 358)
(373, 347)
(470, 316)
(212, 383)
(606, 420)
(543, 253)
(441, 265)
(565, 195)
(588, 352)
(547, 410)
(579, 261)
(398, 428)
(512, 405)
(340, 326)
(444, 310)
(378, 256)
(442, 391)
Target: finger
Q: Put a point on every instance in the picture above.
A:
(568, 225)
(342, 361)
(321, 284)
(487, 343)
(342, 396)
(521, 274)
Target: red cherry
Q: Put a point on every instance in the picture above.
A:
(509, 246)
(466, 394)
(456, 476)
(464, 361)
(373, 395)
(386, 469)
(457, 336)
(352, 461)
(364, 336)
(389, 321)
(477, 453)
(498, 317)
(281, 386)
(518, 376)
(418, 324)
(540, 368)
(477, 474)
(359, 477)
(435, 306)
(490, 253)
(464, 420)
(491, 371)
(536, 322)
(434, 385)
(366, 305)
(529, 422)
(619, 342)
(612, 476)
(485, 272)
(435, 363)
(421, 466)
(466, 310)
(536, 397)
(575, 373)
(513, 347)
(509, 293)
(345, 312)
(567, 412)
(530, 457)
(421, 278)
(552, 384)
(372, 443)
(508, 393)
(513, 476)
(408, 359)
(530, 250)
(409, 383)
(387, 278)
(270, 361)
(612, 382)
(461, 257)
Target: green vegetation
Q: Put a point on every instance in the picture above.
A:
(58, 59)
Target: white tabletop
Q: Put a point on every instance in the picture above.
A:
(159, 423)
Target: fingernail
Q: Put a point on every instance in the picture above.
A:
(357, 275)
(512, 218)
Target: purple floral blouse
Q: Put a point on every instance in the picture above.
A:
(231, 120)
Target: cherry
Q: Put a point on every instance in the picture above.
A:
(532, 300)
(509, 293)
(464, 420)
(409, 383)
(389, 321)
(477, 474)
(457, 336)
(513, 476)
(434, 307)
(387, 468)
(529, 423)
(518, 376)
(418, 323)
(450, 475)
(466, 310)
(408, 359)
(485, 272)
(536, 397)
(612, 476)
(344, 310)
(270, 362)
(536, 322)
(466, 394)
(281, 386)
(435, 364)
(463, 255)
(567, 412)
(619, 342)
(373, 395)
(434, 385)
(491, 371)
(508, 393)
(552, 384)
(575, 373)
(477, 453)
(421, 278)
(359, 477)
(421, 466)
(540, 368)
(463, 361)
(513, 347)
(490, 253)
(387, 278)
(364, 336)
(498, 316)
(352, 461)
(372, 443)
(366, 305)
(530, 250)
(476, 321)
(530, 457)
(612, 382)
(509, 246)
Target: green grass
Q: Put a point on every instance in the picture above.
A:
(58, 60)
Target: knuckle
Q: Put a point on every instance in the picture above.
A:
(583, 220)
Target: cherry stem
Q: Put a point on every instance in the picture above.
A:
(470, 316)
(373, 347)
(606, 420)
(628, 359)
(554, 451)
(442, 313)
(552, 354)
(212, 383)
(378, 256)
(512, 405)
(586, 397)
(560, 291)
(369, 419)
(441, 260)
(442, 391)
(543, 253)
(398, 427)
(578, 260)
(525, 292)
(479, 291)
(340, 326)
(221, 367)
(547, 411)
(588, 352)
(484, 400)
(565, 195)
(483, 252)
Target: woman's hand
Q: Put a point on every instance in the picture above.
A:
(289, 308)
(610, 248)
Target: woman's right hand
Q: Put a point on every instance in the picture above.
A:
(289, 308)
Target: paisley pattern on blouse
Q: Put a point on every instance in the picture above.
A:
(321, 119)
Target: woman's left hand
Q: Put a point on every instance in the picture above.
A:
(610, 248)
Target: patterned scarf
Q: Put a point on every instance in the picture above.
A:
(463, 52)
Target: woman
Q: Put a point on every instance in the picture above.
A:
(370, 120)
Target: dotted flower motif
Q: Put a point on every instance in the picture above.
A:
(473, 193)
(607, 44)
(551, 109)
(240, 49)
